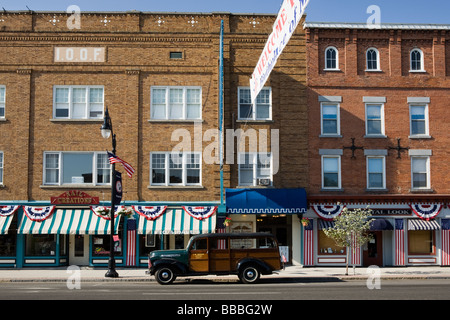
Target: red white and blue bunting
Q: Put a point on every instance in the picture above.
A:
(6, 211)
(104, 212)
(150, 213)
(427, 211)
(328, 212)
(38, 213)
(200, 213)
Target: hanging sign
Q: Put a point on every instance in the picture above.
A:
(288, 18)
(38, 213)
(427, 211)
(328, 212)
(6, 211)
(118, 188)
(150, 213)
(200, 213)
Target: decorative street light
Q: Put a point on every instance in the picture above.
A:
(107, 130)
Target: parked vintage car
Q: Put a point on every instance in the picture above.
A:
(248, 255)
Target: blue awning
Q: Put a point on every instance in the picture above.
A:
(266, 201)
(380, 225)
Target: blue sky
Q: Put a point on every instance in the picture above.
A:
(392, 11)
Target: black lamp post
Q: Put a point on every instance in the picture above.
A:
(107, 130)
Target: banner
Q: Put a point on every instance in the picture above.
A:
(426, 211)
(150, 213)
(200, 213)
(38, 213)
(6, 211)
(328, 212)
(288, 18)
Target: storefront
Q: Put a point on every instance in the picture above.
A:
(404, 234)
(268, 210)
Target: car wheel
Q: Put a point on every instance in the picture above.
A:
(165, 275)
(249, 274)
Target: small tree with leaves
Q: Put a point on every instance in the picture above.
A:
(351, 229)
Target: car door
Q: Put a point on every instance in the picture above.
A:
(198, 256)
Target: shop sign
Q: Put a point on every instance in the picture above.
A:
(79, 54)
(391, 212)
(75, 197)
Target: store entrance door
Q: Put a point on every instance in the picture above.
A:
(78, 250)
(373, 254)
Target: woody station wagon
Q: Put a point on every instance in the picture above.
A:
(248, 255)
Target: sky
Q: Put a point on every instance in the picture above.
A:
(392, 11)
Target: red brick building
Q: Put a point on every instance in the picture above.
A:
(379, 137)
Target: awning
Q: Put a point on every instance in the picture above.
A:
(68, 221)
(5, 222)
(380, 225)
(266, 201)
(419, 224)
(177, 221)
(325, 224)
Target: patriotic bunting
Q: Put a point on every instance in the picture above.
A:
(6, 211)
(38, 213)
(427, 211)
(328, 212)
(150, 213)
(104, 212)
(200, 213)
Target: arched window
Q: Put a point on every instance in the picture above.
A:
(372, 59)
(416, 60)
(331, 58)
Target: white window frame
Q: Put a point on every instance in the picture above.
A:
(338, 158)
(3, 102)
(255, 106)
(184, 169)
(336, 51)
(61, 168)
(382, 134)
(378, 59)
(422, 61)
(338, 119)
(426, 134)
(428, 186)
(184, 116)
(2, 166)
(383, 158)
(87, 110)
(254, 159)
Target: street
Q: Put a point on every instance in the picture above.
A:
(432, 289)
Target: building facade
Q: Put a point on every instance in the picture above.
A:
(378, 137)
(158, 76)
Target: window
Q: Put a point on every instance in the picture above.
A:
(2, 101)
(331, 59)
(419, 120)
(330, 119)
(374, 119)
(421, 242)
(78, 102)
(372, 60)
(176, 55)
(416, 58)
(376, 173)
(263, 108)
(176, 103)
(65, 168)
(1, 168)
(255, 169)
(328, 246)
(331, 172)
(420, 168)
(169, 169)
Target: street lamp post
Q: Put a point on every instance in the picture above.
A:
(107, 130)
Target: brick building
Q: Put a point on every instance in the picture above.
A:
(158, 76)
(378, 137)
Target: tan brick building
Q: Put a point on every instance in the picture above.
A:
(384, 88)
(158, 75)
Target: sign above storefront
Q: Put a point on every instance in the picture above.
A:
(79, 54)
(75, 197)
(391, 212)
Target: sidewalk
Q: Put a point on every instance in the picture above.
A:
(290, 273)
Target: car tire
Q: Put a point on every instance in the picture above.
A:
(249, 274)
(165, 275)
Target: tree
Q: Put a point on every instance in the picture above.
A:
(351, 229)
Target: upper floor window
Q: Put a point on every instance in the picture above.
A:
(255, 169)
(420, 172)
(372, 60)
(376, 173)
(416, 58)
(419, 120)
(331, 58)
(374, 119)
(330, 119)
(2, 101)
(331, 172)
(262, 110)
(78, 102)
(175, 169)
(65, 168)
(176, 103)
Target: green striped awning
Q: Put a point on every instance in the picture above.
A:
(5, 222)
(68, 221)
(176, 221)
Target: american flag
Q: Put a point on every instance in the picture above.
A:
(131, 243)
(115, 159)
